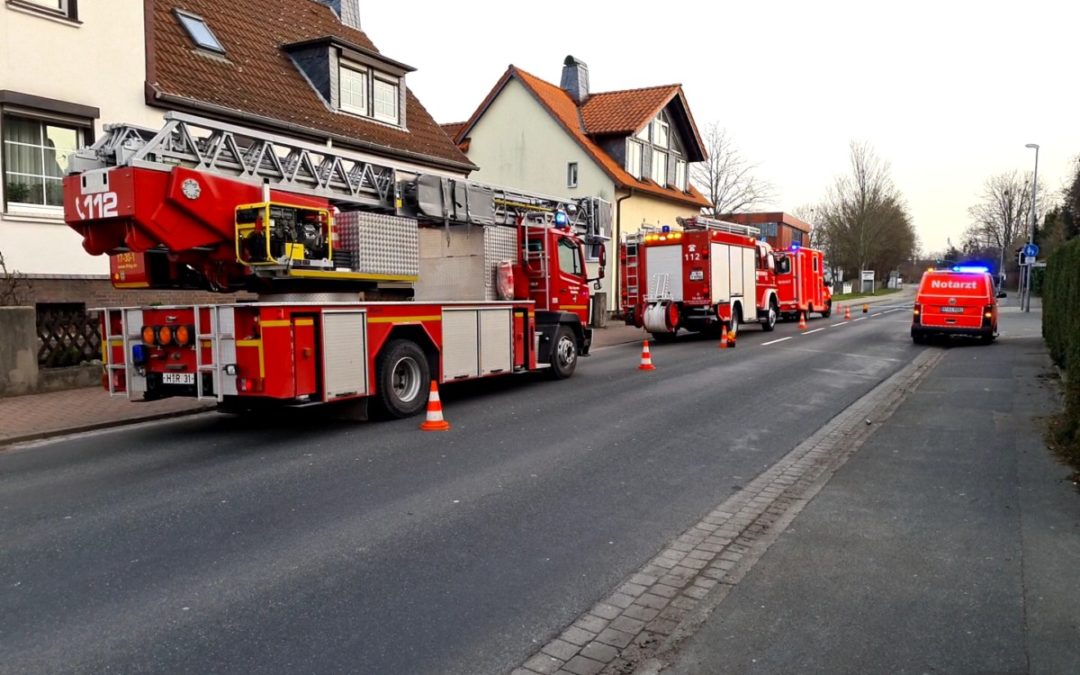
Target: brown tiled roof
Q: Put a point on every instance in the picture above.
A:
(563, 108)
(625, 112)
(257, 80)
(452, 128)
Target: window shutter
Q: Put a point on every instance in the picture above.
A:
(671, 170)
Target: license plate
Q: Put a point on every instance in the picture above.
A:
(953, 310)
(697, 275)
(178, 378)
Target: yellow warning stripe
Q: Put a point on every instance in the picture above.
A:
(305, 322)
(258, 343)
(275, 324)
(404, 319)
(575, 306)
(131, 284)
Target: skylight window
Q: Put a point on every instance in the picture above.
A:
(199, 32)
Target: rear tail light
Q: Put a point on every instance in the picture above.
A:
(183, 335)
(149, 335)
(916, 313)
(165, 335)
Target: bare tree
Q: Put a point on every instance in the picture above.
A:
(726, 177)
(1001, 219)
(13, 285)
(868, 227)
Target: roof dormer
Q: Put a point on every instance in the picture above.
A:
(352, 79)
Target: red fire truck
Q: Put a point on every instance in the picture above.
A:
(700, 277)
(800, 283)
(372, 281)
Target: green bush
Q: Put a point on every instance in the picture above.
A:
(1061, 328)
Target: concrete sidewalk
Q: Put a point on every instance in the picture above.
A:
(947, 543)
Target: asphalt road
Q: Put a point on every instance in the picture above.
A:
(217, 544)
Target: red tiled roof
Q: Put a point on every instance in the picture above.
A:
(452, 128)
(625, 112)
(256, 79)
(563, 108)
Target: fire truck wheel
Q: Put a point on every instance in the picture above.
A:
(403, 377)
(736, 319)
(769, 322)
(564, 354)
(827, 312)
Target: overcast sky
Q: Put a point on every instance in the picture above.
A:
(948, 92)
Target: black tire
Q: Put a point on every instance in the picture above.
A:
(769, 322)
(987, 338)
(403, 377)
(736, 319)
(827, 312)
(919, 338)
(564, 354)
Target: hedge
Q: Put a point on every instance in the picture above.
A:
(1061, 329)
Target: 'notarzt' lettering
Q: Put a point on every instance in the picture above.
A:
(954, 285)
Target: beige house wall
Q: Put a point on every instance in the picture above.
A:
(98, 62)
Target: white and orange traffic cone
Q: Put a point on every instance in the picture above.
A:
(731, 339)
(847, 313)
(646, 357)
(802, 320)
(434, 421)
(723, 337)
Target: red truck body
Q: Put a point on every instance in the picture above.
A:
(800, 283)
(707, 275)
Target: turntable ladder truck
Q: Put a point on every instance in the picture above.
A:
(338, 250)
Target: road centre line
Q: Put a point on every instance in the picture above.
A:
(816, 330)
(766, 344)
(878, 314)
(842, 323)
(861, 318)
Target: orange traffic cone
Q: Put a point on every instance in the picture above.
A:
(847, 313)
(434, 421)
(646, 357)
(723, 337)
(865, 308)
(802, 320)
(731, 339)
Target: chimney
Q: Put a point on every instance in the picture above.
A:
(348, 11)
(575, 79)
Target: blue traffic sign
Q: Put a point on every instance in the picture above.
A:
(1031, 250)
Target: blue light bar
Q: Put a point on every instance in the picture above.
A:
(971, 269)
(561, 219)
(665, 228)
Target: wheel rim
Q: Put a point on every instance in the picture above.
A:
(567, 352)
(735, 322)
(772, 315)
(406, 379)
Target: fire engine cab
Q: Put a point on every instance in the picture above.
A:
(372, 280)
(703, 276)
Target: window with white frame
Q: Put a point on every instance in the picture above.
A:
(66, 9)
(370, 94)
(571, 174)
(661, 133)
(354, 85)
(199, 32)
(386, 100)
(659, 168)
(680, 174)
(35, 159)
(633, 159)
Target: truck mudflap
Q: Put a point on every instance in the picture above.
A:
(548, 324)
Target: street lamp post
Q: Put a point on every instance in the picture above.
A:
(1031, 233)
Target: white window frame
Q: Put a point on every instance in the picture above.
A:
(633, 165)
(352, 73)
(61, 9)
(571, 174)
(659, 125)
(17, 208)
(680, 174)
(658, 171)
(395, 83)
(186, 20)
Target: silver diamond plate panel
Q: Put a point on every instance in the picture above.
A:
(379, 244)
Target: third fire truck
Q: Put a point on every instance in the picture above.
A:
(702, 276)
(372, 280)
(800, 283)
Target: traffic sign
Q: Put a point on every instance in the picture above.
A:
(1031, 250)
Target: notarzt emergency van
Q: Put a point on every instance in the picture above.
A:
(959, 301)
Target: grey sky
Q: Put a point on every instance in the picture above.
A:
(948, 92)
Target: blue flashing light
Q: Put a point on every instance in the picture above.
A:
(971, 269)
(795, 247)
(561, 219)
(138, 354)
(665, 229)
